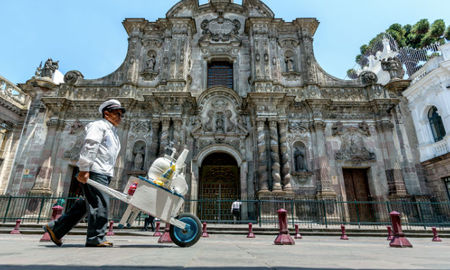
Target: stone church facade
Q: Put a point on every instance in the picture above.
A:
(243, 92)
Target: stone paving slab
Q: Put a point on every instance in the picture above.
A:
(222, 252)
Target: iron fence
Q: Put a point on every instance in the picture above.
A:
(306, 213)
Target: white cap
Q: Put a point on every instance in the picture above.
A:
(112, 104)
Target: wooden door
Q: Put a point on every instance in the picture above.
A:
(358, 195)
(219, 187)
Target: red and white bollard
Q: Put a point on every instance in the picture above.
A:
(56, 213)
(110, 230)
(390, 236)
(343, 235)
(250, 231)
(283, 237)
(165, 238)
(399, 240)
(435, 235)
(205, 232)
(297, 234)
(157, 232)
(16, 228)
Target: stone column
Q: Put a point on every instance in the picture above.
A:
(285, 164)
(153, 151)
(262, 159)
(164, 136)
(393, 170)
(275, 155)
(42, 183)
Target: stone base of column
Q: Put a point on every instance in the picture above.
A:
(263, 193)
(326, 195)
(40, 192)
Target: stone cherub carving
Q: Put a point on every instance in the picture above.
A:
(229, 125)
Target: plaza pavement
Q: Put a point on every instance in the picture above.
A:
(223, 251)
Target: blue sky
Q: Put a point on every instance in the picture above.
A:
(87, 35)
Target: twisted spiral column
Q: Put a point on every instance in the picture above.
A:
(286, 168)
(275, 155)
(262, 167)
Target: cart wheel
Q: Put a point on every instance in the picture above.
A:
(190, 236)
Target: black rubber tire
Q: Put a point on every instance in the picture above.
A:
(193, 235)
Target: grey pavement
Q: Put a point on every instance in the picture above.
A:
(222, 251)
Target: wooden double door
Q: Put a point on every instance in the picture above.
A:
(358, 195)
(218, 188)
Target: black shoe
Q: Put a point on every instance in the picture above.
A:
(102, 244)
(52, 235)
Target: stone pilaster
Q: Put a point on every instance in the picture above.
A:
(153, 151)
(262, 159)
(393, 171)
(285, 164)
(178, 139)
(164, 136)
(275, 155)
(42, 183)
(325, 191)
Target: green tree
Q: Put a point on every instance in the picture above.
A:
(416, 36)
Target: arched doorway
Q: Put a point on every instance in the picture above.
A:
(219, 186)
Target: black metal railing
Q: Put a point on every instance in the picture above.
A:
(309, 213)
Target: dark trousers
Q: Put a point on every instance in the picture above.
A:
(95, 204)
(149, 221)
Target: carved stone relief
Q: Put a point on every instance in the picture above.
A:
(220, 29)
(353, 148)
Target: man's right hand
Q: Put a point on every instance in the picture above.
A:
(83, 177)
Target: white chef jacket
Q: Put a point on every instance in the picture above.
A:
(100, 148)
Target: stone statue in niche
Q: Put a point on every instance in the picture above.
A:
(289, 60)
(299, 158)
(138, 161)
(151, 61)
(229, 125)
(219, 122)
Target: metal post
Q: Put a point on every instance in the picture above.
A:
(259, 213)
(292, 213)
(7, 209)
(40, 210)
(220, 200)
(357, 214)
(325, 213)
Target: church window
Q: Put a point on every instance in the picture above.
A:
(437, 127)
(220, 73)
